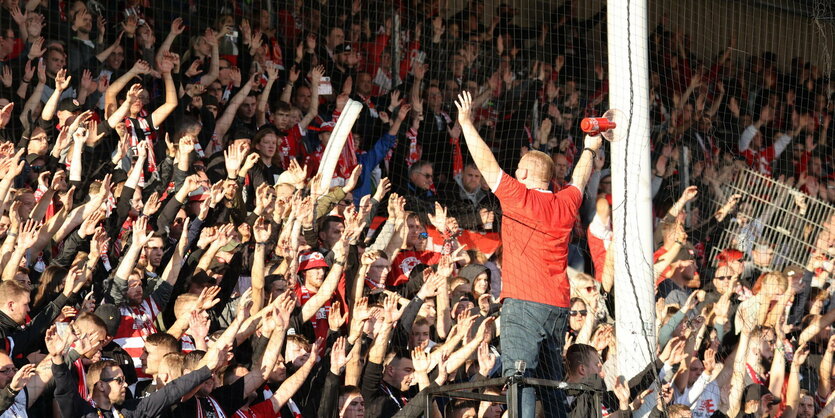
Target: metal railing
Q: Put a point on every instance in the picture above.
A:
(514, 385)
(776, 215)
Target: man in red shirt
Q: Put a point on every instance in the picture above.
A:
(536, 228)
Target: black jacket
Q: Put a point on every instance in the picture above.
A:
(465, 210)
(71, 403)
(381, 399)
(19, 342)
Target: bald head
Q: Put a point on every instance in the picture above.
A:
(535, 170)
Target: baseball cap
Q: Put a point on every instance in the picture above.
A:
(311, 260)
(209, 100)
(728, 255)
(69, 105)
(324, 127)
(341, 48)
(686, 253)
(793, 270)
(111, 317)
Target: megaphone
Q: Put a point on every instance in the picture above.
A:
(612, 125)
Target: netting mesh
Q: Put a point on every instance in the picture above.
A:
(742, 175)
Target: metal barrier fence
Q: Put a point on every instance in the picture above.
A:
(513, 385)
(778, 223)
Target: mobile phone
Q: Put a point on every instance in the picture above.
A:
(62, 327)
(325, 86)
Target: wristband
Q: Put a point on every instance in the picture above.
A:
(261, 243)
(593, 152)
(26, 81)
(339, 263)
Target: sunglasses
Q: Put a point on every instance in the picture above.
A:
(722, 278)
(583, 312)
(120, 379)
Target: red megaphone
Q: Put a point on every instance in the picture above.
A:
(594, 126)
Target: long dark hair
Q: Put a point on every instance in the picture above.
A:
(52, 280)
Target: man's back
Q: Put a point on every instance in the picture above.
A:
(536, 227)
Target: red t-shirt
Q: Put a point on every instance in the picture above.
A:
(320, 319)
(263, 409)
(406, 261)
(536, 228)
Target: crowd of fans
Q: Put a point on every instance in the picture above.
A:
(168, 248)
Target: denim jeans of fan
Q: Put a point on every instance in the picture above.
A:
(535, 333)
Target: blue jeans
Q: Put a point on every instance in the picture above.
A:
(535, 332)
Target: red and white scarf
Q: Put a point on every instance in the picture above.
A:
(216, 412)
(149, 134)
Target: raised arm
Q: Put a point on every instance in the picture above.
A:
(825, 370)
(119, 114)
(294, 382)
(793, 386)
(35, 98)
(214, 66)
(166, 64)
(479, 150)
(105, 53)
(325, 292)
(177, 28)
(62, 82)
(313, 111)
(172, 269)
(139, 238)
(261, 231)
(25, 239)
(584, 167)
(292, 77)
(139, 68)
(263, 98)
(225, 120)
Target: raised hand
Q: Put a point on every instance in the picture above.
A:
(439, 218)
(464, 105)
(167, 62)
(316, 74)
(262, 230)
(141, 67)
(339, 357)
(21, 378)
(198, 324)
(62, 80)
(134, 93)
(689, 193)
(28, 234)
(141, 235)
(391, 313)
(177, 26)
(6, 114)
(186, 145)
(420, 360)
(233, 158)
(130, 24)
(88, 227)
(208, 298)
(382, 189)
(335, 316)
(152, 205)
(6, 76)
(486, 359)
(353, 179)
